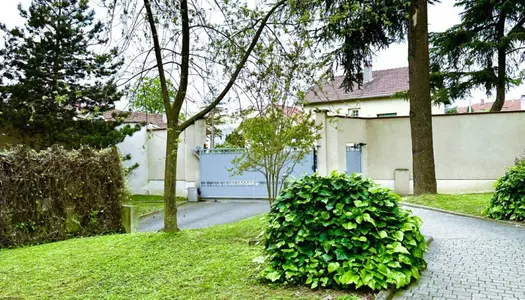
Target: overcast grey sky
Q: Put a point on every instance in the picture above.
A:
(441, 17)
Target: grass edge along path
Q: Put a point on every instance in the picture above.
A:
(470, 204)
(211, 263)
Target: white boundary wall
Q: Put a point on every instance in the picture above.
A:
(148, 148)
(471, 150)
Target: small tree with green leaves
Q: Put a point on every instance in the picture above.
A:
(276, 142)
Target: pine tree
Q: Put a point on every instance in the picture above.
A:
(484, 51)
(53, 83)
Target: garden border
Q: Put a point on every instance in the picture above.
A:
(511, 223)
(389, 293)
(158, 212)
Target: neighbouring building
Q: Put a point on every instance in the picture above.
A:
(509, 105)
(375, 98)
(147, 148)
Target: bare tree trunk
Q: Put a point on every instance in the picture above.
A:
(502, 64)
(424, 172)
(170, 179)
(172, 113)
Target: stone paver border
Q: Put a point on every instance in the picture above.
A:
(389, 293)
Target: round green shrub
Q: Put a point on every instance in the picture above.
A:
(508, 202)
(342, 231)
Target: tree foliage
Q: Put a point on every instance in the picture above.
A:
(53, 84)
(276, 142)
(148, 95)
(342, 231)
(484, 51)
(353, 30)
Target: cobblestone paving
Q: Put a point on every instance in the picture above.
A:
(470, 259)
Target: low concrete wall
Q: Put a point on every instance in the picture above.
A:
(471, 150)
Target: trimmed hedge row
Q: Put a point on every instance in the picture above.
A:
(55, 194)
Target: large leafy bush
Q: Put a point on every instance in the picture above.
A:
(508, 202)
(342, 231)
(56, 194)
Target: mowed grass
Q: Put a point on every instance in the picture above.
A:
(148, 204)
(212, 263)
(472, 204)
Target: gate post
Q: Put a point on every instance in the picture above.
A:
(322, 144)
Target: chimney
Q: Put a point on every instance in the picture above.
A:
(367, 73)
(522, 104)
(482, 101)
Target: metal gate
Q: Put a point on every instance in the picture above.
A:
(353, 158)
(217, 181)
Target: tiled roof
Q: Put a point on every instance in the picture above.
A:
(384, 83)
(291, 110)
(509, 105)
(138, 117)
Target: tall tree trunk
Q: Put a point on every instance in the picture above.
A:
(502, 64)
(172, 113)
(424, 172)
(170, 179)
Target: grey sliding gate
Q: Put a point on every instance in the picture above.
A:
(216, 181)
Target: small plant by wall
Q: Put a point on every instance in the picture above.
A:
(508, 201)
(55, 194)
(344, 232)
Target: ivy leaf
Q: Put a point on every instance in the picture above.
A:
(333, 266)
(273, 276)
(349, 278)
(398, 235)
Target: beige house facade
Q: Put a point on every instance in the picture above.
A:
(376, 97)
(471, 151)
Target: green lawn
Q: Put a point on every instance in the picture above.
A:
(213, 263)
(147, 204)
(472, 204)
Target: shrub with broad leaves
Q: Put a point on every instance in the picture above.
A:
(342, 231)
(508, 202)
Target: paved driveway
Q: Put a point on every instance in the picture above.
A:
(204, 214)
(470, 259)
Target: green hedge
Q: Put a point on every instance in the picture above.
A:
(508, 201)
(344, 232)
(55, 194)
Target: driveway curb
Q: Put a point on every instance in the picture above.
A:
(389, 293)
(516, 224)
(158, 212)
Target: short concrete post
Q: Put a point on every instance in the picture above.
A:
(130, 218)
(402, 181)
(193, 195)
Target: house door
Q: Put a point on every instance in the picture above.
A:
(353, 158)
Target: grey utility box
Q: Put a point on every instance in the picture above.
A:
(193, 195)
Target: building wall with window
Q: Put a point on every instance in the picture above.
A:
(370, 108)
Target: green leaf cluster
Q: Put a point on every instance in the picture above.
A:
(56, 194)
(508, 201)
(342, 231)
